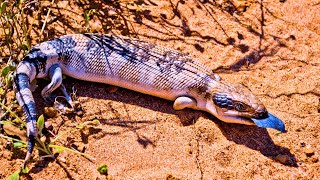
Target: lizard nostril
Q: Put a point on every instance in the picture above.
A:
(262, 114)
(261, 109)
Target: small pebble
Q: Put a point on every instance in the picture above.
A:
(81, 148)
(171, 177)
(43, 139)
(303, 158)
(314, 159)
(76, 104)
(78, 118)
(240, 6)
(50, 112)
(68, 110)
(283, 159)
(48, 125)
(309, 151)
(79, 113)
(62, 159)
(9, 145)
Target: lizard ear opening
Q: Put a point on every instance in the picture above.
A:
(222, 101)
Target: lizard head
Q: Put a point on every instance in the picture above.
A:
(237, 104)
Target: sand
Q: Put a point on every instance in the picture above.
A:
(272, 47)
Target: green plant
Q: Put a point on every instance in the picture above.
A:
(16, 174)
(103, 169)
(14, 29)
(87, 15)
(46, 147)
(49, 148)
(19, 21)
(6, 83)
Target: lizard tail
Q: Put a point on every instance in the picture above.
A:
(31, 143)
(26, 100)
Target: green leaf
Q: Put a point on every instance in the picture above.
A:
(58, 149)
(5, 122)
(3, 7)
(25, 170)
(5, 71)
(9, 80)
(9, 17)
(92, 11)
(40, 124)
(24, 47)
(103, 169)
(96, 122)
(80, 126)
(87, 16)
(18, 145)
(14, 176)
(1, 91)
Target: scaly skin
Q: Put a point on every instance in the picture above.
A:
(136, 65)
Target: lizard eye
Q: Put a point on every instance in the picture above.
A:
(240, 106)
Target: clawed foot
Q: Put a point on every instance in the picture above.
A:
(62, 108)
(75, 106)
(50, 98)
(64, 104)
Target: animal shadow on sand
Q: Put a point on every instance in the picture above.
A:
(252, 137)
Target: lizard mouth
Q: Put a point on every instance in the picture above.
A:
(269, 121)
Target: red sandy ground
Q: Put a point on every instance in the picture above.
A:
(272, 47)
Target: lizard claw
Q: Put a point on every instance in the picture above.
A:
(49, 98)
(66, 95)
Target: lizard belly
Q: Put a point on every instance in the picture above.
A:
(171, 94)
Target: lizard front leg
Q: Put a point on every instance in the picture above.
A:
(184, 102)
(55, 74)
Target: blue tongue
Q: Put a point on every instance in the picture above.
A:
(270, 122)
